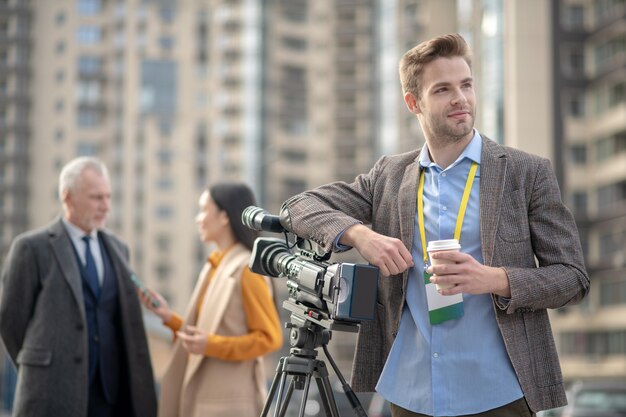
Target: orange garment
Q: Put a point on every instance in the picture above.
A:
(264, 330)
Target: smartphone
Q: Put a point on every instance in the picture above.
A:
(140, 286)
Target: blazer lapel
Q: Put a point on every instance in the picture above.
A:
(407, 200)
(492, 178)
(61, 245)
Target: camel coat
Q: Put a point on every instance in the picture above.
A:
(198, 385)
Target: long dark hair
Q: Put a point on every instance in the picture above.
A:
(233, 198)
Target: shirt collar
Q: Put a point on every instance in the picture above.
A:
(75, 232)
(472, 152)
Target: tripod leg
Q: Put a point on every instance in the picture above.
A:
(272, 391)
(327, 396)
(285, 402)
(305, 394)
(281, 390)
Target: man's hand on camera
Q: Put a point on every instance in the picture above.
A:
(387, 253)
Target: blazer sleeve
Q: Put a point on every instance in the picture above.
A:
(559, 276)
(20, 286)
(323, 213)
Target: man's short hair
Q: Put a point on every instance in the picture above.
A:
(413, 62)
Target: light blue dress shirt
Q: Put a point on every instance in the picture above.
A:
(460, 366)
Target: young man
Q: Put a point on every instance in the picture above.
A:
(492, 353)
(70, 317)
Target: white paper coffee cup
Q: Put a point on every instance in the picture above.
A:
(439, 246)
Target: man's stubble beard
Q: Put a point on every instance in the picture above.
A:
(445, 134)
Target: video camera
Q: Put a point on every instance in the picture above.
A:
(336, 296)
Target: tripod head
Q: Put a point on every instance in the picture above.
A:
(306, 337)
(310, 329)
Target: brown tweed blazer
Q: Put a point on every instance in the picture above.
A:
(525, 228)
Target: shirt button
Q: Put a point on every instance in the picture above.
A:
(435, 355)
(445, 208)
(443, 174)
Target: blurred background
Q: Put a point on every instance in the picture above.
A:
(290, 94)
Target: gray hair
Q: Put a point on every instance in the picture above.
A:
(72, 171)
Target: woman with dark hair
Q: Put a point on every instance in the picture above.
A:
(216, 366)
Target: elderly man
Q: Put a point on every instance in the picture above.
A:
(69, 315)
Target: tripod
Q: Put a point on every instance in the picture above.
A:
(302, 365)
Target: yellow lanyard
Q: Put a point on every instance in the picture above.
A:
(462, 208)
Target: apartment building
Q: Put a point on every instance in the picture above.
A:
(590, 152)
(290, 94)
(15, 106)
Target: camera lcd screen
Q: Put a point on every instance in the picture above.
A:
(364, 290)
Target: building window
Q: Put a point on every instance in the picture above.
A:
(607, 9)
(163, 271)
(166, 42)
(88, 118)
(86, 149)
(575, 104)
(610, 52)
(60, 19)
(573, 17)
(88, 7)
(579, 202)
(89, 65)
(88, 35)
(163, 243)
(158, 87)
(617, 94)
(574, 62)
(295, 44)
(88, 92)
(611, 194)
(604, 149)
(579, 154)
(594, 344)
(165, 183)
(613, 292)
(164, 212)
(294, 156)
(609, 242)
(294, 10)
(167, 13)
(165, 156)
(292, 187)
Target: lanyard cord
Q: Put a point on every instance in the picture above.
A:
(462, 208)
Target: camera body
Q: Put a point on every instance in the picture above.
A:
(336, 296)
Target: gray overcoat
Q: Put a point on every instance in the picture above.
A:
(525, 228)
(43, 327)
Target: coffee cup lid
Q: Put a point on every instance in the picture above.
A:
(446, 244)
